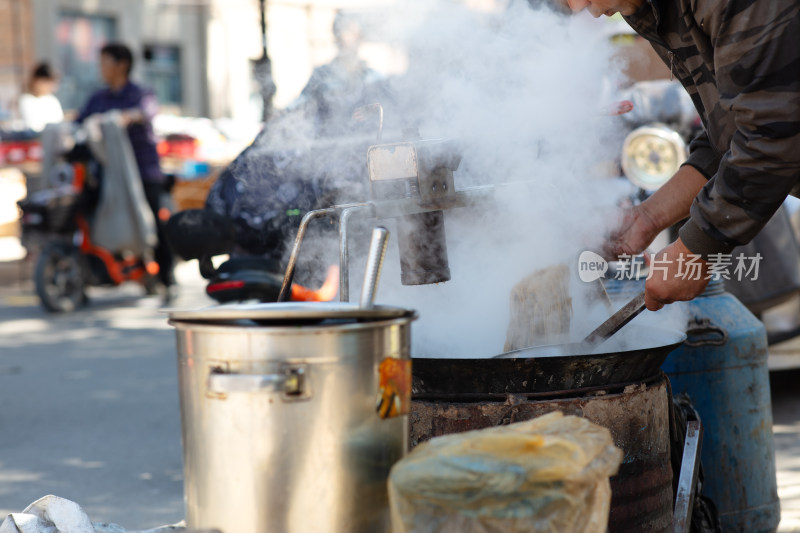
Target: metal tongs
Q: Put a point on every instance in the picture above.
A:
(616, 322)
(594, 339)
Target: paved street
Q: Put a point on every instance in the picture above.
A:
(89, 406)
(786, 428)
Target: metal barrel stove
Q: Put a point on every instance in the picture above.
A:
(624, 392)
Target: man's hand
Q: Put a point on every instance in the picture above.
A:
(131, 116)
(676, 275)
(633, 235)
(668, 205)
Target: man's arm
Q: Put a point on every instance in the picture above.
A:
(87, 110)
(671, 202)
(702, 156)
(758, 76)
(667, 206)
(143, 112)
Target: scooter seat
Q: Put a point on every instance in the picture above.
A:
(238, 264)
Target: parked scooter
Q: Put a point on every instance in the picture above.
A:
(91, 226)
(203, 234)
(254, 209)
(663, 122)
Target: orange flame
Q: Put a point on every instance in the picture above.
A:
(326, 293)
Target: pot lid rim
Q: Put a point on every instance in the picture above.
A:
(286, 311)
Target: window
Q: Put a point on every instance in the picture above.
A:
(162, 73)
(79, 39)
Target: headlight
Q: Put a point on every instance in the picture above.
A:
(651, 155)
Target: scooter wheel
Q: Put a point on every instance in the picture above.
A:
(59, 279)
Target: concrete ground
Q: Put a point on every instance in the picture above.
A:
(786, 430)
(89, 402)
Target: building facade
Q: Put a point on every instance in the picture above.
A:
(16, 52)
(198, 55)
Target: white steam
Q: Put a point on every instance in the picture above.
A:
(524, 94)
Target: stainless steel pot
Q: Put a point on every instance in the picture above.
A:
(292, 415)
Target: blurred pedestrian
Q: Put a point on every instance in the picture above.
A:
(39, 107)
(337, 88)
(137, 106)
(270, 185)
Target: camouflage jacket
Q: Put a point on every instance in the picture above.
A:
(740, 62)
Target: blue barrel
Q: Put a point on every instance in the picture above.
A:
(722, 366)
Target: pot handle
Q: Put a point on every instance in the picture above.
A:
(228, 383)
(292, 382)
(703, 332)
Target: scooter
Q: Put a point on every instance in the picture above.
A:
(58, 225)
(203, 234)
(254, 209)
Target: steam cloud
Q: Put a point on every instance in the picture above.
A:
(524, 92)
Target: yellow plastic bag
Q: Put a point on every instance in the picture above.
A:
(549, 474)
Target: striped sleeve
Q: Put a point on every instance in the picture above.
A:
(702, 156)
(757, 63)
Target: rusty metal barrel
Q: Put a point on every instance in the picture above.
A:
(636, 414)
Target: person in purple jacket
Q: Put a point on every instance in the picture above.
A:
(137, 106)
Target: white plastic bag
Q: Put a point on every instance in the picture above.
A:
(123, 221)
(52, 514)
(49, 514)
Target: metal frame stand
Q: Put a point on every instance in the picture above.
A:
(687, 481)
(377, 209)
(343, 213)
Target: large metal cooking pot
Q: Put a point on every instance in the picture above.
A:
(628, 358)
(281, 432)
